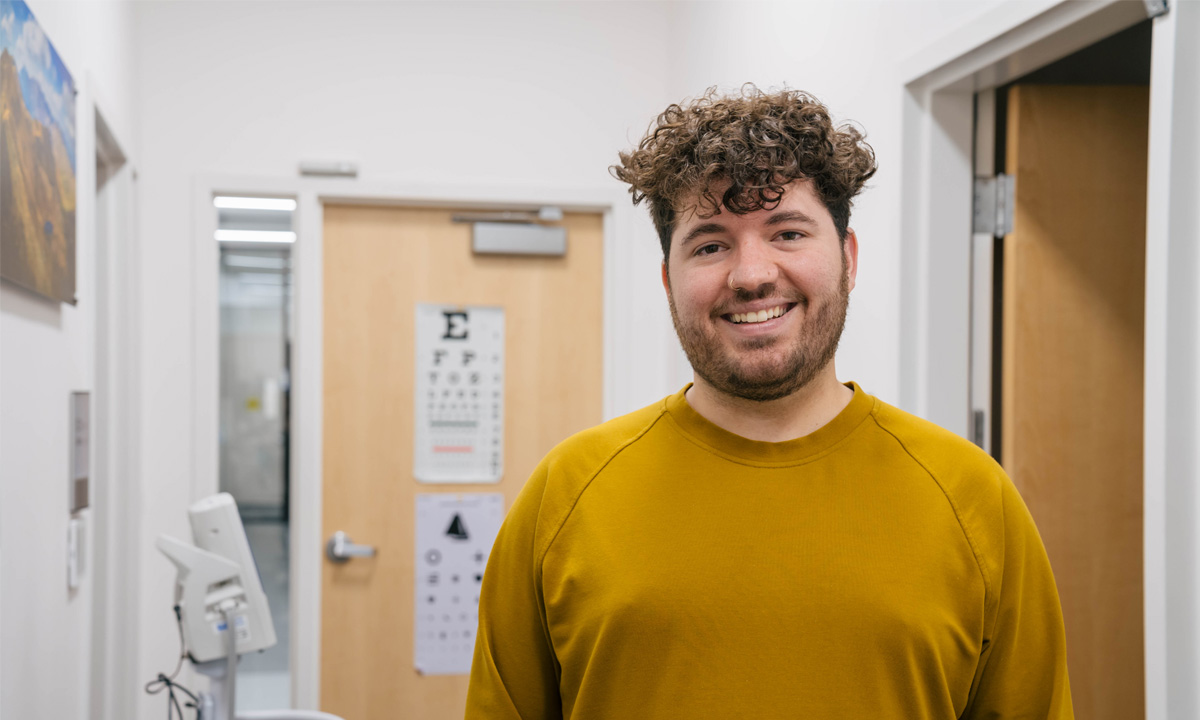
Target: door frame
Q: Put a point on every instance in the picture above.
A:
(639, 354)
(115, 483)
(937, 134)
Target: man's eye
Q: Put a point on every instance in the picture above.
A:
(791, 235)
(708, 249)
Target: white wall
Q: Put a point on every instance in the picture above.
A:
(537, 94)
(47, 351)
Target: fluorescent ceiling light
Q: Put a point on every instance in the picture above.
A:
(225, 202)
(261, 236)
(252, 261)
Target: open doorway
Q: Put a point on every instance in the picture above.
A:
(255, 236)
(1059, 295)
(936, 212)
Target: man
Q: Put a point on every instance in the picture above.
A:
(768, 542)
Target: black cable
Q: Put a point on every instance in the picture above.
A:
(167, 682)
(173, 707)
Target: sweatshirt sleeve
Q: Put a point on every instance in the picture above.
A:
(1022, 672)
(514, 673)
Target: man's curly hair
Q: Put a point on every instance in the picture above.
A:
(757, 142)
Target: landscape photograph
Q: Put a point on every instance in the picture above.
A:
(37, 159)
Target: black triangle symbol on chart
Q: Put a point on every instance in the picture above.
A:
(457, 530)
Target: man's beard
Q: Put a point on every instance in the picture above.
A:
(811, 351)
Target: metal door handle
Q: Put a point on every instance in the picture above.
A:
(341, 548)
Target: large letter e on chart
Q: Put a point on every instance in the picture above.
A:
(456, 325)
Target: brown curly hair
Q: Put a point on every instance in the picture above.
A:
(756, 141)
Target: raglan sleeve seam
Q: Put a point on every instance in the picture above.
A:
(988, 583)
(541, 554)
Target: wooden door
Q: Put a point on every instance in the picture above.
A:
(379, 262)
(1074, 288)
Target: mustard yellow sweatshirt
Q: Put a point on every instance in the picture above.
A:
(657, 566)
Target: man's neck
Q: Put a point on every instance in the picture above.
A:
(803, 412)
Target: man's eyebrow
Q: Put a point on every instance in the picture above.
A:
(788, 217)
(705, 229)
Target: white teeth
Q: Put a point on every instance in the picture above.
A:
(757, 317)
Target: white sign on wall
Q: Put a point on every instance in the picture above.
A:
(455, 533)
(459, 398)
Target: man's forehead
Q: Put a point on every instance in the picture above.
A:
(694, 206)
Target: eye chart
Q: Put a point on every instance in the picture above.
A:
(459, 399)
(455, 533)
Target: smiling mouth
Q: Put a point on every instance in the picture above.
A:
(760, 316)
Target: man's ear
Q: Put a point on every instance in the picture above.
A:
(850, 250)
(665, 279)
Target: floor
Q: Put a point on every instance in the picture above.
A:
(263, 681)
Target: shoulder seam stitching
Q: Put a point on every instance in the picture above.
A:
(987, 584)
(566, 516)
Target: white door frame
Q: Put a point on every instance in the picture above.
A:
(1172, 451)
(639, 354)
(115, 483)
(940, 83)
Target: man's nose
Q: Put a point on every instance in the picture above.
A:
(753, 268)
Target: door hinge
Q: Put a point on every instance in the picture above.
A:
(1154, 8)
(978, 425)
(993, 205)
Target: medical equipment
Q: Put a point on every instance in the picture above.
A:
(221, 609)
(218, 575)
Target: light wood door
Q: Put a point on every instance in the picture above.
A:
(380, 262)
(1074, 290)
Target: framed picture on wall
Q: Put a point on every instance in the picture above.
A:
(37, 159)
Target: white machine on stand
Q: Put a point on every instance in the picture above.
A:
(221, 606)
